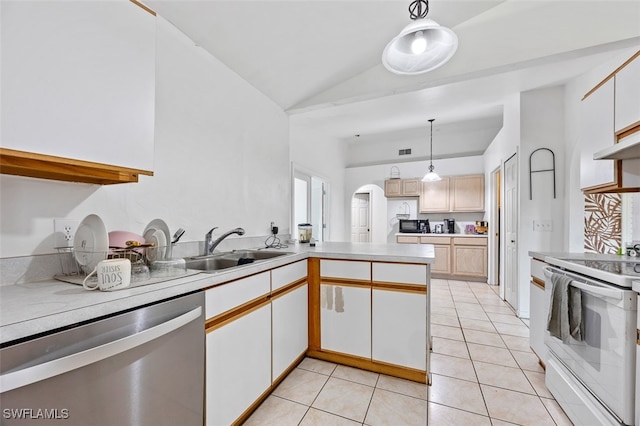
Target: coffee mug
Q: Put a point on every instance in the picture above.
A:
(113, 274)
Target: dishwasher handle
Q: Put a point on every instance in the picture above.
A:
(27, 376)
(589, 288)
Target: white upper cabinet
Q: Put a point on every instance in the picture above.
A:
(596, 133)
(627, 96)
(78, 80)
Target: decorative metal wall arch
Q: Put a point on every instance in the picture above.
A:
(552, 170)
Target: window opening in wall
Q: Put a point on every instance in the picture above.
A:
(309, 203)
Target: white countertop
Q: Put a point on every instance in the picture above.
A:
(432, 234)
(32, 308)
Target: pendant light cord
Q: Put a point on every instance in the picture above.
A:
(431, 146)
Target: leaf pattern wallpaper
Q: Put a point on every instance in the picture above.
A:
(602, 223)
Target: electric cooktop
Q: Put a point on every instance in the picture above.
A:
(620, 273)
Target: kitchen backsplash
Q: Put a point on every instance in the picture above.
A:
(602, 223)
(26, 269)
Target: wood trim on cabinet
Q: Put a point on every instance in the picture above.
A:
(313, 267)
(225, 318)
(627, 131)
(412, 374)
(29, 164)
(538, 282)
(144, 7)
(345, 282)
(610, 76)
(288, 288)
(399, 287)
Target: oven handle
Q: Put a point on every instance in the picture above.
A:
(598, 291)
(46, 370)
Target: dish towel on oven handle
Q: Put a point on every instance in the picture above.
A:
(565, 310)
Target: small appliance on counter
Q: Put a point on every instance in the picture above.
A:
(304, 232)
(450, 226)
(481, 227)
(438, 229)
(414, 226)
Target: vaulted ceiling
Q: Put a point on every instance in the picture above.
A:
(321, 60)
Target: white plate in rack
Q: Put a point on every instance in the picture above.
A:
(91, 242)
(157, 233)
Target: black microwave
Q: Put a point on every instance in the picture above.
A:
(414, 226)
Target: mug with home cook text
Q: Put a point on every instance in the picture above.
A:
(113, 274)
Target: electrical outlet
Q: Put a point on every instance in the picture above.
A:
(63, 231)
(543, 225)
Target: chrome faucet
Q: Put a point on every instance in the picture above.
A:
(210, 244)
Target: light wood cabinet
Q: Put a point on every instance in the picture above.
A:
(435, 196)
(464, 257)
(467, 193)
(469, 257)
(453, 194)
(78, 93)
(442, 249)
(402, 187)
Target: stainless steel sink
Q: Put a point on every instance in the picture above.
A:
(231, 259)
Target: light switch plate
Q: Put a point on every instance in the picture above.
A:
(542, 225)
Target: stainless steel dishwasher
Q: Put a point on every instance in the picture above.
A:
(142, 367)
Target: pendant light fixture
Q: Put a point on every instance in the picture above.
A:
(431, 176)
(421, 46)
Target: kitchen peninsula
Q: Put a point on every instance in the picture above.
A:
(364, 305)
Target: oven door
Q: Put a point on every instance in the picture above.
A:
(604, 362)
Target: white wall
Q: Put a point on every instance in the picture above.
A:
(322, 156)
(221, 159)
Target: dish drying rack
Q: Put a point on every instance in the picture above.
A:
(81, 262)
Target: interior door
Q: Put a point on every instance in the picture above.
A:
(511, 231)
(360, 214)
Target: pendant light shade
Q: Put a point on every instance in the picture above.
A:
(431, 176)
(421, 46)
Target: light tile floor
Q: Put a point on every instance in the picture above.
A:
(483, 373)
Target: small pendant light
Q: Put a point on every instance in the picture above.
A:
(431, 176)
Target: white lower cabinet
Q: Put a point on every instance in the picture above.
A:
(289, 325)
(345, 318)
(538, 310)
(238, 365)
(399, 328)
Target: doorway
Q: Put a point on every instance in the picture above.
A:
(511, 231)
(361, 217)
(494, 227)
(309, 203)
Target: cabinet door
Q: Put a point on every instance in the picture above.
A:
(467, 193)
(411, 187)
(539, 310)
(393, 188)
(435, 196)
(470, 260)
(442, 264)
(290, 332)
(627, 96)
(406, 239)
(238, 366)
(597, 133)
(345, 319)
(399, 336)
(78, 81)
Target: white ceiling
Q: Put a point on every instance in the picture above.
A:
(320, 60)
